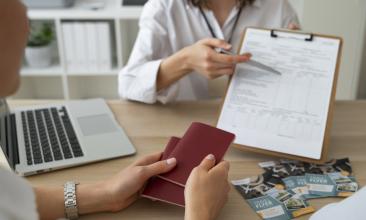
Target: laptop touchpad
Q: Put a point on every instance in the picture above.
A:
(96, 124)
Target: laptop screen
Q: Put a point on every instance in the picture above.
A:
(4, 123)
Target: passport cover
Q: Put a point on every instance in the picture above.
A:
(198, 141)
(162, 190)
(173, 141)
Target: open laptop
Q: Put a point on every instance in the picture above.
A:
(49, 137)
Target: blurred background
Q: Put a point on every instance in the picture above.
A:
(77, 48)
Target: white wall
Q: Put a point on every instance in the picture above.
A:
(344, 18)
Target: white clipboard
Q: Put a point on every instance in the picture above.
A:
(287, 115)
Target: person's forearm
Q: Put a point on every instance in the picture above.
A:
(90, 198)
(172, 69)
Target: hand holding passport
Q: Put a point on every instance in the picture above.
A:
(199, 141)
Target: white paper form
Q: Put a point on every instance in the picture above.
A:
(285, 113)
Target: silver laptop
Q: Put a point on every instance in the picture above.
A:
(49, 137)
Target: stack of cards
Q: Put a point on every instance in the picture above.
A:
(199, 141)
(282, 191)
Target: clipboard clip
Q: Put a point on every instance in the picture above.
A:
(309, 36)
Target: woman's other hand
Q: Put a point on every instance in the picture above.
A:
(293, 26)
(207, 190)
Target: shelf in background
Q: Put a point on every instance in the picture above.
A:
(123, 13)
(113, 72)
(69, 82)
(54, 70)
(110, 11)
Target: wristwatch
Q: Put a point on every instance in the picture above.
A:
(71, 208)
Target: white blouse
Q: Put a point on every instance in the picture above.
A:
(17, 200)
(167, 26)
(352, 208)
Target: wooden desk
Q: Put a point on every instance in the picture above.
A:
(149, 128)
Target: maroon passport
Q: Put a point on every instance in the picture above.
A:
(199, 141)
(162, 190)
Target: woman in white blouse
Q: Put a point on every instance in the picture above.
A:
(174, 54)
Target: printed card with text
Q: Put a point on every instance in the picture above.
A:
(267, 196)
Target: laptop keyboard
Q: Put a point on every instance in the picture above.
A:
(49, 136)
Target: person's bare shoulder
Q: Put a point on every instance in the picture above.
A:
(13, 37)
(13, 22)
(11, 8)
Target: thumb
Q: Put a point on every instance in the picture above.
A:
(216, 43)
(293, 26)
(160, 167)
(208, 162)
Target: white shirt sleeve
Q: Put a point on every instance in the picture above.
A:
(17, 200)
(289, 15)
(137, 81)
(352, 208)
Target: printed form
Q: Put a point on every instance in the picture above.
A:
(284, 113)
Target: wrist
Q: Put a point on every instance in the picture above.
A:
(184, 58)
(172, 69)
(92, 198)
(196, 213)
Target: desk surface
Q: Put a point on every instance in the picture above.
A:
(149, 128)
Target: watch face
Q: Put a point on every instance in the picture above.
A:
(133, 2)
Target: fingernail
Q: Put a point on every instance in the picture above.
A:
(229, 46)
(171, 161)
(210, 157)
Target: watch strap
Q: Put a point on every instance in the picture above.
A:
(71, 209)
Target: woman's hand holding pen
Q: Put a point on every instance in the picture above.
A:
(201, 57)
(204, 59)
